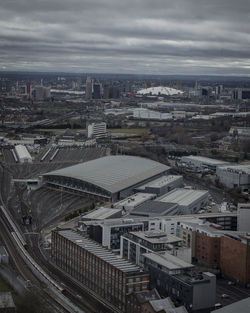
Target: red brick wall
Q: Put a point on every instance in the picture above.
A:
(207, 250)
(234, 261)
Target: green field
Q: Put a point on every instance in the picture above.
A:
(129, 131)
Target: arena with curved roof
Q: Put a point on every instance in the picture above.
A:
(110, 178)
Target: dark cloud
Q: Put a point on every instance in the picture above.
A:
(137, 36)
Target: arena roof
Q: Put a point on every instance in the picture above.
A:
(160, 90)
(113, 173)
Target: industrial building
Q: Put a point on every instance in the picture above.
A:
(153, 208)
(134, 201)
(175, 278)
(23, 154)
(142, 113)
(162, 185)
(109, 178)
(97, 130)
(234, 176)
(97, 268)
(189, 201)
(202, 163)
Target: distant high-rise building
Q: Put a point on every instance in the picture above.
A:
(97, 90)
(41, 93)
(88, 93)
(106, 92)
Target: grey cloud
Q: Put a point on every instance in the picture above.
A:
(128, 36)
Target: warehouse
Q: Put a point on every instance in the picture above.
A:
(109, 178)
(189, 201)
(23, 154)
(202, 163)
(134, 201)
(162, 185)
(235, 176)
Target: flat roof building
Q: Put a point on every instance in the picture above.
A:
(161, 185)
(202, 163)
(188, 200)
(97, 268)
(234, 176)
(102, 214)
(133, 201)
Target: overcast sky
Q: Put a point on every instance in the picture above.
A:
(126, 36)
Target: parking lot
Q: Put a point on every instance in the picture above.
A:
(234, 292)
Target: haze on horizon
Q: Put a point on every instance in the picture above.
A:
(192, 37)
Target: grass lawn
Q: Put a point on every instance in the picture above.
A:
(136, 131)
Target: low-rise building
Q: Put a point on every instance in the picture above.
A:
(202, 163)
(175, 278)
(133, 201)
(235, 176)
(189, 201)
(134, 244)
(243, 217)
(152, 208)
(97, 268)
(162, 185)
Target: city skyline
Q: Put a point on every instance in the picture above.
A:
(193, 38)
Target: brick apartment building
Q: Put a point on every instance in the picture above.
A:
(235, 257)
(207, 246)
(97, 268)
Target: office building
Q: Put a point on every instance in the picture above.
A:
(96, 268)
(243, 217)
(177, 279)
(97, 130)
(97, 90)
(134, 244)
(88, 89)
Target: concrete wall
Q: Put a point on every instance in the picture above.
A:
(204, 295)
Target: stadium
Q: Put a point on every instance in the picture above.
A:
(109, 178)
(160, 91)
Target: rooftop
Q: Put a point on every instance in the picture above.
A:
(160, 182)
(168, 261)
(206, 160)
(156, 236)
(101, 252)
(113, 173)
(101, 213)
(183, 196)
(135, 199)
(237, 168)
